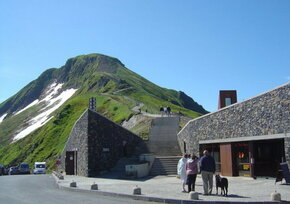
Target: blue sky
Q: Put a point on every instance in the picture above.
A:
(198, 47)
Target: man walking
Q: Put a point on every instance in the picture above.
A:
(207, 168)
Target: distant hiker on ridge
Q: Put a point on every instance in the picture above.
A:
(165, 110)
(168, 110)
(161, 111)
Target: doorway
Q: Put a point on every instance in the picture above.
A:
(214, 151)
(268, 154)
(71, 163)
(241, 161)
(184, 147)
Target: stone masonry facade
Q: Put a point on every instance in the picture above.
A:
(99, 142)
(107, 143)
(78, 140)
(265, 114)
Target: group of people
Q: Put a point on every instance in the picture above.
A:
(165, 110)
(189, 166)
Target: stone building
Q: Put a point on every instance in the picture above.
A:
(95, 145)
(249, 138)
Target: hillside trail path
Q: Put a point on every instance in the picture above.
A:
(115, 92)
(138, 107)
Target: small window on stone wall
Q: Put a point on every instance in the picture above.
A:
(228, 101)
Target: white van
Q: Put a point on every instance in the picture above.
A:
(39, 168)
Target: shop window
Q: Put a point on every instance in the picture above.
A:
(242, 158)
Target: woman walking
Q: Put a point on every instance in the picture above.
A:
(181, 171)
(191, 172)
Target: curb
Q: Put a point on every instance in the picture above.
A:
(156, 199)
(134, 197)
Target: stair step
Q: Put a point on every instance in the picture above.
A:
(165, 165)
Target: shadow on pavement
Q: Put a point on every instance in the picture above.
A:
(119, 176)
(236, 196)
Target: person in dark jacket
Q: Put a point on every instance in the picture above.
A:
(207, 168)
(168, 110)
(161, 111)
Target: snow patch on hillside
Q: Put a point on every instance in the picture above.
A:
(52, 101)
(51, 92)
(2, 117)
(28, 106)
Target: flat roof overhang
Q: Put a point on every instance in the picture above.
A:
(247, 138)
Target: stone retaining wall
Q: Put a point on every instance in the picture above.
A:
(99, 142)
(107, 143)
(78, 141)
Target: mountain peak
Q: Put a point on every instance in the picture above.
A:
(40, 116)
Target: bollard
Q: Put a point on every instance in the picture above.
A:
(275, 196)
(193, 195)
(137, 191)
(94, 187)
(73, 184)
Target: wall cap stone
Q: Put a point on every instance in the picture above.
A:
(250, 138)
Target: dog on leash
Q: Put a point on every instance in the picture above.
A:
(223, 184)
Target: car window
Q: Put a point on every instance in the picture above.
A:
(40, 166)
(24, 166)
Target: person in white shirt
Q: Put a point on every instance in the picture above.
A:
(181, 171)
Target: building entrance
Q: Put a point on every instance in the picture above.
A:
(268, 154)
(214, 150)
(251, 158)
(241, 159)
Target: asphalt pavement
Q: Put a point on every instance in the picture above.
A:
(42, 189)
(168, 189)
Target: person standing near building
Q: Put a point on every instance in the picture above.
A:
(207, 168)
(181, 171)
(191, 172)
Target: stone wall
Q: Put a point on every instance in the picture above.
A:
(99, 143)
(108, 142)
(265, 114)
(78, 141)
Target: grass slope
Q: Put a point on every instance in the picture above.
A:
(47, 142)
(116, 88)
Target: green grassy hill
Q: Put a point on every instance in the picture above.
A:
(116, 88)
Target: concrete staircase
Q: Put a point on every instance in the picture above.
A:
(166, 165)
(163, 137)
(163, 144)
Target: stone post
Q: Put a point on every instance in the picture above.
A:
(137, 191)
